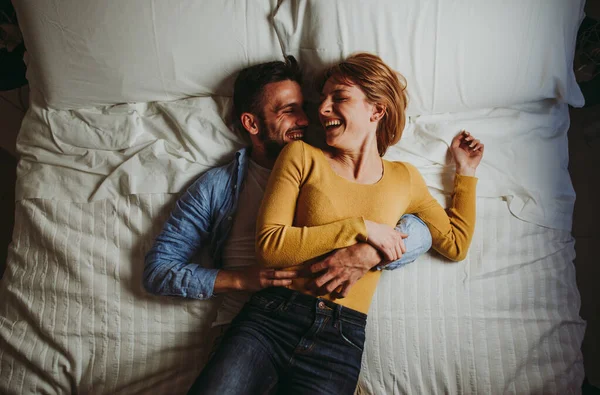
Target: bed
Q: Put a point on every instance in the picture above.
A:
(130, 102)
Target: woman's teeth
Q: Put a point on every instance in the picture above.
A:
(335, 122)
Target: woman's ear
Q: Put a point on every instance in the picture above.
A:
(378, 112)
(249, 122)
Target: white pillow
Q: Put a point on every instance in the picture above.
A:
(455, 55)
(89, 52)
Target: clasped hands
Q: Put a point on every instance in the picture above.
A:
(334, 273)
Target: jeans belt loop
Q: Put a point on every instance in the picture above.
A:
(337, 313)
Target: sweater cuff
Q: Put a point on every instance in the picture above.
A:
(464, 184)
(361, 229)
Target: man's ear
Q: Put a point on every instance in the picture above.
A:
(378, 112)
(249, 122)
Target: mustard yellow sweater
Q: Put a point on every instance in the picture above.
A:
(308, 210)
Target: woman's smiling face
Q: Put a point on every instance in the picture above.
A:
(345, 114)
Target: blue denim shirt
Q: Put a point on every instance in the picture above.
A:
(203, 217)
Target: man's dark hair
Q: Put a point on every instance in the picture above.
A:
(250, 83)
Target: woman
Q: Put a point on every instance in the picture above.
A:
(320, 200)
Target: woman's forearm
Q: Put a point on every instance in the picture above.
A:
(284, 246)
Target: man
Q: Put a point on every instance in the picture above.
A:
(219, 209)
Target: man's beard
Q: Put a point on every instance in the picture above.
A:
(272, 147)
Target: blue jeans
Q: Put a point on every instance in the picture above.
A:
(286, 342)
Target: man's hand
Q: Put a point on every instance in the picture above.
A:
(252, 278)
(341, 269)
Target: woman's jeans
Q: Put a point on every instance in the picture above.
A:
(286, 342)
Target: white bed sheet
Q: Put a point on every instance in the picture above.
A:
(73, 315)
(526, 157)
(503, 321)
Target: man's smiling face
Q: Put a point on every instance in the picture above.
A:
(283, 119)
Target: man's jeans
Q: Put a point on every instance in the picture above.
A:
(286, 342)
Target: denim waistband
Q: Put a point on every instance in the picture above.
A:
(309, 301)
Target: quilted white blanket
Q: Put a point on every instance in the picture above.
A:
(74, 316)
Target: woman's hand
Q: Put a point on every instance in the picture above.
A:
(467, 152)
(386, 240)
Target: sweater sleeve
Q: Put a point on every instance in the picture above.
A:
(452, 229)
(278, 242)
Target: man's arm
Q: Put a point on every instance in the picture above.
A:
(168, 267)
(417, 243)
(345, 266)
(340, 269)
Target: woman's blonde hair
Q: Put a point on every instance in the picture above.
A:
(380, 84)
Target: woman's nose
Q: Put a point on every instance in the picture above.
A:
(325, 107)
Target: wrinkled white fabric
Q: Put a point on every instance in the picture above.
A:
(92, 154)
(99, 153)
(455, 55)
(525, 161)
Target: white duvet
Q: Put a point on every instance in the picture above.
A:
(74, 316)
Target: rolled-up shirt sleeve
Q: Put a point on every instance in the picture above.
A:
(168, 268)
